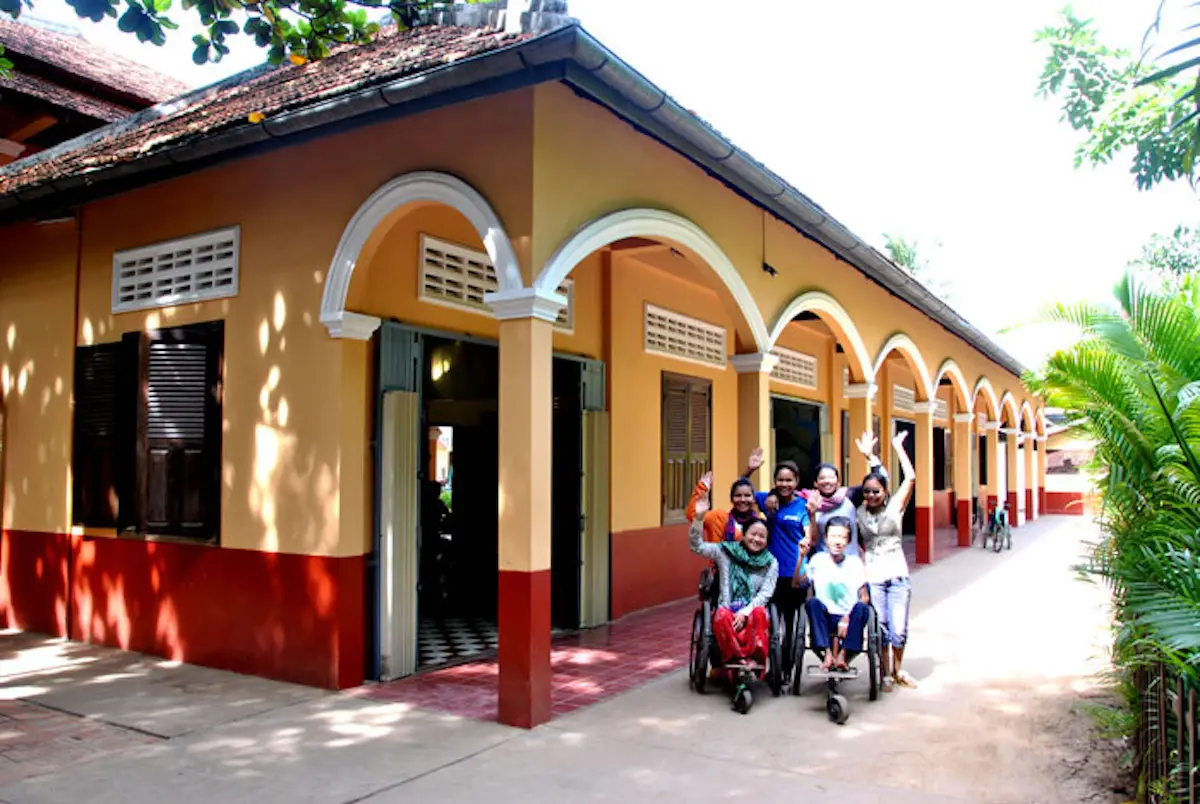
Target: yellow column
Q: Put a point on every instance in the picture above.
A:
(1041, 474)
(1014, 455)
(526, 408)
(924, 480)
(1029, 440)
(859, 396)
(963, 458)
(992, 432)
(754, 411)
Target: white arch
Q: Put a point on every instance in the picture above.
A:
(656, 223)
(985, 385)
(904, 344)
(427, 186)
(1027, 411)
(1040, 417)
(1009, 401)
(950, 369)
(827, 307)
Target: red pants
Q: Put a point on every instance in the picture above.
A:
(751, 643)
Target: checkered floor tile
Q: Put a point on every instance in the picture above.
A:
(454, 639)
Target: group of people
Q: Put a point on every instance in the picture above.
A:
(843, 544)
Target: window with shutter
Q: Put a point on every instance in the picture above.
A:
(147, 433)
(180, 431)
(687, 441)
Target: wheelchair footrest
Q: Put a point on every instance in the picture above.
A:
(750, 667)
(816, 671)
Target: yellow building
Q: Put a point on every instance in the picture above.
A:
(229, 326)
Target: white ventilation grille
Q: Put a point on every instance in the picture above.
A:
(941, 410)
(458, 276)
(179, 271)
(903, 399)
(674, 335)
(796, 368)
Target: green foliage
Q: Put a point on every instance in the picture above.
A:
(1172, 258)
(299, 30)
(1132, 381)
(1121, 104)
(904, 252)
(5, 65)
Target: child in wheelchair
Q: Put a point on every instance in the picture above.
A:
(747, 573)
(840, 605)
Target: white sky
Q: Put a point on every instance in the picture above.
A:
(915, 118)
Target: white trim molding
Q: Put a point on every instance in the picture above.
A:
(1007, 399)
(754, 363)
(924, 408)
(419, 186)
(860, 390)
(904, 345)
(1010, 431)
(655, 223)
(950, 369)
(985, 385)
(827, 307)
(964, 418)
(352, 326)
(526, 303)
(989, 425)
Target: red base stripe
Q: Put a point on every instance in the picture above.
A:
(524, 625)
(924, 535)
(964, 523)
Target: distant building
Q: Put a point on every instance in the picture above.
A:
(63, 86)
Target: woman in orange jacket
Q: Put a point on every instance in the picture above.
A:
(728, 526)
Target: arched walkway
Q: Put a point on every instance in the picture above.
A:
(902, 344)
(657, 224)
(958, 381)
(421, 186)
(838, 320)
(984, 387)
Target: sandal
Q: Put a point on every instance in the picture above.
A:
(889, 684)
(905, 680)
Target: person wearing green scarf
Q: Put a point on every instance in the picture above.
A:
(748, 573)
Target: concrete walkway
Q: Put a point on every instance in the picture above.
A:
(1005, 647)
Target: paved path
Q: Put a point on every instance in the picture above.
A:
(1005, 647)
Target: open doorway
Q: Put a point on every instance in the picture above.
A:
(910, 447)
(797, 427)
(458, 474)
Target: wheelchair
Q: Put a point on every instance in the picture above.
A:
(705, 654)
(837, 705)
(998, 530)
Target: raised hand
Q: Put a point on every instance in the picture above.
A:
(866, 443)
(899, 439)
(756, 459)
(707, 480)
(702, 507)
(813, 502)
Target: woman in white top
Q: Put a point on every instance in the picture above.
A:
(880, 527)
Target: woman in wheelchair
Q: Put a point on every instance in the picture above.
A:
(836, 617)
(747, 572)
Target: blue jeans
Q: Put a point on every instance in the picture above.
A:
(824, 625)
(891, 599)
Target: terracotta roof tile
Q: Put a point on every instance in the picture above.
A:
(90, 62)
(269, 92)
(67, 98)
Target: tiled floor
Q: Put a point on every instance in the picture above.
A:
(588, 667)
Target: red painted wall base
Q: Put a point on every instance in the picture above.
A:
(991, 503)
(924, 535)
(650, 567)
(1012, 508)
(1064, 502)
(1029, 504)
(964, 523)
(524, 625)
(1042, 501)
(288, 617)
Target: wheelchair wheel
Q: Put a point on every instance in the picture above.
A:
(698, 652)
(774, 654)
(838, 708)
(799, 627)
(743, 700)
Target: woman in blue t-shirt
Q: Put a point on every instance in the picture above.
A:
(788, 523)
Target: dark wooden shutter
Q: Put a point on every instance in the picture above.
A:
(94, 493)
(180, 431)
(983, 460)
(687, 441)
(675, 447)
